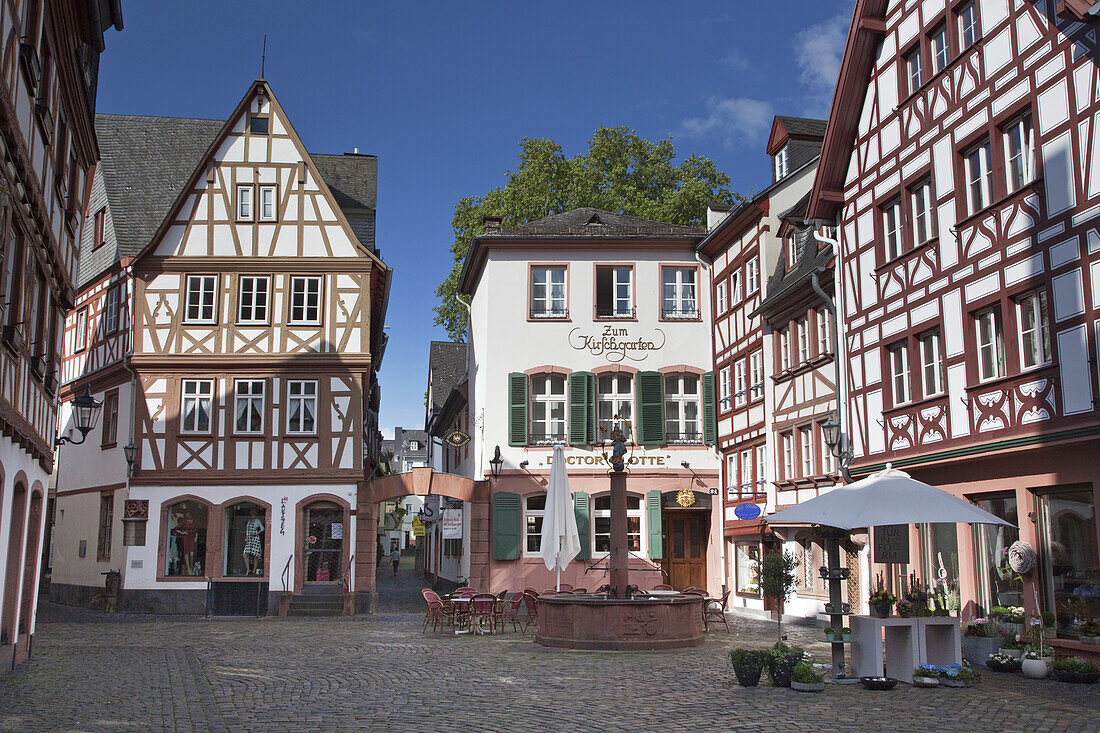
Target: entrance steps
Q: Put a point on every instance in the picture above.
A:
(318, 600)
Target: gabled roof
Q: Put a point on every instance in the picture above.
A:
(801, 128)
(447, 366)
(591, 222)
(783, 282)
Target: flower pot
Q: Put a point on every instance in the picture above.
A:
(1077, 678)
(978, 648)
(926, 682)
(1036, 669)
(948, 682)
(1014, 653)
(748, 675)
(807, 686)
(846, 636)
(830, 637)
(881, 610)
(878, 683)
(779, 669)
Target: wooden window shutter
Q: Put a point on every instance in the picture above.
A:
(580, 508)
(507, 516)
(517, 409)
(655, 538)
(649, 428)
(710, 410)
(582, 426)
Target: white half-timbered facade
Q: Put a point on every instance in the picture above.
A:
(232, 324)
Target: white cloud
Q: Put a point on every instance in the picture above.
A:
(734, 120)
(818, 50)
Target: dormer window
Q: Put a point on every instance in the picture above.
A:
(258, 125)
(792, 250)
(781, 163)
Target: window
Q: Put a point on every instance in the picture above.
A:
(991, 350)
(756, 375)
(258, 124)
(106, 519)
(198, 399)
(301, 406)
(761, 466)
(548, 292)
(824, 332)
(979, 177)
(110, 419)
(244, 539)
(110, 315)
(752, 275)
(614, 296)
(788, 455)
(744, 476)
(781, 163)
(601, 523)
(891, 229)
(785, 348)
(915, 71)
(81, 330)
(747, 569)
(1019, 142)
(724, 388)
(185, 554)
(827, 464)
(200, 298)
(678, 292)
(806, 438)
(682, 409)
(721, 297)
(547, 409)
(732, 480)
(741, 393)
(938, 40)
(614, 404)
(791, 250)
(248, 406)
(1031, 316)
(100, 226)
(268, 205)
(931, 359)
(305, 300)
(968, 25)
(244, 203)
(899, 372)
(803, 327)
(533, 513)
(921, 198)
(252, 300)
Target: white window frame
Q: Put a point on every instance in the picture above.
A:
(824, 332)
(752, 275)
(744, 471)
(1019, 147)
(740, 388)
(678, 293)
(785, 348)
(782, 163)
(789, 247)
(622, 292)
(110, 314)
(680, 428)
(914, 67)
(931, 358)
(979, 177)
(721, 297)
(612, 400)
(300, 307)
(245, 202)
(548, 391)
(635, 509)
(539, 516)
(968, 25)
(550, 294)
(990, 341)
(803, 326)
(735, 287)
(921, 200)
(196, 395)
(202, 299)
(725, 389)
(80, 337)
(761, 467)
(301, 403)
(899, 372)
(268, 208)
(246, 399)
(806, 440)
(893, 232)
(1033, 304)
(828, 464)
(788, 455)
(756, 375)
(941, 53)
(733, 477)
(252, 302)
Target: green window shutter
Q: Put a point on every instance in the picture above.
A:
(710, 410)
(507, 516)
(580, 408)
(580, 508)
(592, 409)
(653, 525)
(649, 427)
(517, 409)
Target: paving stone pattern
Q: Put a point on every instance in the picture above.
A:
(379, 673)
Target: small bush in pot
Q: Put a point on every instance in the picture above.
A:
(1076, 670)
(830, 634)
(1003, 663)
(805, 678)
(845, 634)
(748, 664)
(1012, 646)
(783, 659)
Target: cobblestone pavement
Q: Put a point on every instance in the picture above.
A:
(379, 673)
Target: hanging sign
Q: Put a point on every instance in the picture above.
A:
(892, 543)
(418, 527)
(452, 524)
(747, 511)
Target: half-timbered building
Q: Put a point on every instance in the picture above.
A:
(230, 320)
(49, 70)
(962, 168)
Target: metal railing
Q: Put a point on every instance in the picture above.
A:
(546, 438)
(690, 438)
(612, 312)
(551, 312)
(681, 314)
(347, 574)
(286, 573)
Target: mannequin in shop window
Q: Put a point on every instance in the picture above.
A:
(185, 532)
(254, 544)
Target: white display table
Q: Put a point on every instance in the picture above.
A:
(900, 644)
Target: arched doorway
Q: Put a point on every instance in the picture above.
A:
(30, 563)
(323, 543)
(8, 629)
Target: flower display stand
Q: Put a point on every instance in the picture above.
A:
(895, 646)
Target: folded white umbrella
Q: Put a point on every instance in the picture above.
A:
(560, 539)
(887, 497)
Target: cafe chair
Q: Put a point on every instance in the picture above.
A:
(715, 610)
(481, 612)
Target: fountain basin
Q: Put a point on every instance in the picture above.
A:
(639, 624)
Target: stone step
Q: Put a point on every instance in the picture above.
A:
(314, 612)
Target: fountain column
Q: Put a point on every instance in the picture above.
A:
(619, 561)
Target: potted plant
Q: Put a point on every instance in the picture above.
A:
(1090, 632)
(782, 660)
(881, 600)
(830, 634)
(1046, 619)
(1002, 662)
(1036, 663)
(980, 639)
(904, 609)
(1012, 646)
(804, 678)
(1076, 670)
(1013, 619)
(926, 675)
(748, 665)
(777, 581)
(957, 675)
(845, 634)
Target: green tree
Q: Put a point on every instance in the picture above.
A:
(777, 580)
(619, 172)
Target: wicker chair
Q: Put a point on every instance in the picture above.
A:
(482, 606)
(507, 611)
(439, 613)
(531, 618)
(715, 610)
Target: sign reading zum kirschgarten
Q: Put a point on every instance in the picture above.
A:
(616, 343)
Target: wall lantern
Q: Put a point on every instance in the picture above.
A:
(85, 415)
(495, 463)
(131, 453)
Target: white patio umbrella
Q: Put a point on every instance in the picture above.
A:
(887, 497)
(560, 539)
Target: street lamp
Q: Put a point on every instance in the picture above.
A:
(85, 415)
(130, 450)
(831, 430)
(495, 463)
(837, 444)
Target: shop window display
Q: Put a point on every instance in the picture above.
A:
(748, 569)
(1072, 563)
(940, 555)
(186, 552)
(245, 530)
(998, 585)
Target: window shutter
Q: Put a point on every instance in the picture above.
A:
(517, 409)
(653, 525)
(650, 425)
(580, 408)
(507, 516)
(710, 410)
(591, 409)
(580, 508)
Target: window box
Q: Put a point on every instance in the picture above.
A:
(29, 63)
(38, 367)
(13, 338)
(51, 383)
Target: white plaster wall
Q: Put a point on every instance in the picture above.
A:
(14, 460)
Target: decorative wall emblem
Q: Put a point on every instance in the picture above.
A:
(136, 509)
(616, 343)
(685, 498)
(642, 622)
(456, 439)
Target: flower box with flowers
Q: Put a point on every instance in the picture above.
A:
(981, 638)
(926, 675)
(1002, 663)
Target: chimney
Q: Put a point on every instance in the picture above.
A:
(492, 224)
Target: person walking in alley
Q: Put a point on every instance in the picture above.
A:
(395, 558)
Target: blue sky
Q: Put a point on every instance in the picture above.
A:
(442, 93)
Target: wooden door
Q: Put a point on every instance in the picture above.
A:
(685, 548)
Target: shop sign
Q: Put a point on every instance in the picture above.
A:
(337, 530)
(282, 516)
(616, 343)
(452, 524)
(892, 543)
(747, 511)
(418, 527)
(582, 458)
